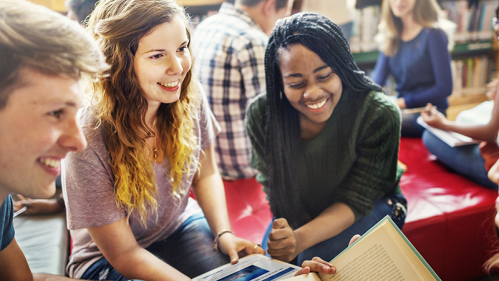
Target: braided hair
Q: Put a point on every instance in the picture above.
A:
(323, 37)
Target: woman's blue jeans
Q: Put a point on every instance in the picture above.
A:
(189, 249)
(465, 160)
(330, 248)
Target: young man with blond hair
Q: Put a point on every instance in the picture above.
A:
(43, 56)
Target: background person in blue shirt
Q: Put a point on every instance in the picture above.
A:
(39, 97)
(414, 50)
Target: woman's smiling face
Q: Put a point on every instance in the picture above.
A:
(162, 61)
(311, 86)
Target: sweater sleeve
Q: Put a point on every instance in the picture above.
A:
(381, 70)
(440, 61)
(375, 172)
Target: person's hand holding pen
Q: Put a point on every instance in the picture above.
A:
(433, 117)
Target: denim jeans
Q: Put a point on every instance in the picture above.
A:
(189, 249)
(411, 128)
(393, 206)
(465, 160)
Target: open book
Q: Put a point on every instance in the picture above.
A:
(450, 138)
(382, 253)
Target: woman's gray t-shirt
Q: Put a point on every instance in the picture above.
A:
(88, 186)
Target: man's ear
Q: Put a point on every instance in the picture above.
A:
(268, 7)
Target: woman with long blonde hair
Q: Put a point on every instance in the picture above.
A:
(414, 50)
(149, 132)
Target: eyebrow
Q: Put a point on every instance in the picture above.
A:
(320, 68)
(299, 75)
(56, 103)
(162, 50)
(59, 102)
(70, 104)
(155, 50)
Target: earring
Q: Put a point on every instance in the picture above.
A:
(280, 95)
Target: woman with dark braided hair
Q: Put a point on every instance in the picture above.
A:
(325, 142)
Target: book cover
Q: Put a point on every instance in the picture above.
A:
(450, 138)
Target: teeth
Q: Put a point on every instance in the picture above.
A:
(170, 85)
(51, 162)
(317, 105)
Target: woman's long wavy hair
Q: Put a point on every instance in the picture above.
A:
(426, 13)
(120, 106)
(323, 37)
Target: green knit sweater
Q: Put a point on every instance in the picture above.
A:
(353, 160)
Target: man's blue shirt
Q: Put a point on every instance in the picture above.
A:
(6, 223)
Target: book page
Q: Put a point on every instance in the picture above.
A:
(305, 277)
(375, 257)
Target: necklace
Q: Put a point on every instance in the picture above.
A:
(154, 150)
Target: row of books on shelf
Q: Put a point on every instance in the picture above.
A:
(470, 75)
(473, 21)
(365, 27)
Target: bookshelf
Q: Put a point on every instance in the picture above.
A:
(474, 55)
(459, 49)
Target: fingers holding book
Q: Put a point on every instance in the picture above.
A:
(433, 117)
(353, 239)
(319, 265)
(316, 265)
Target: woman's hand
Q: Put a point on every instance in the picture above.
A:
(319, 265)
(316, 265)
(38, 206)
(433, 117)
(401, 103)
(236, 247)
(353, 239)
(283, 242)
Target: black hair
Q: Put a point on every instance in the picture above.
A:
(323, 37)
(279, 4)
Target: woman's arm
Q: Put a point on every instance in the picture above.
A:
(210, 194)
(39, 206)
(487, 132)
(285, 244)
(118, 245)
(440, 61)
